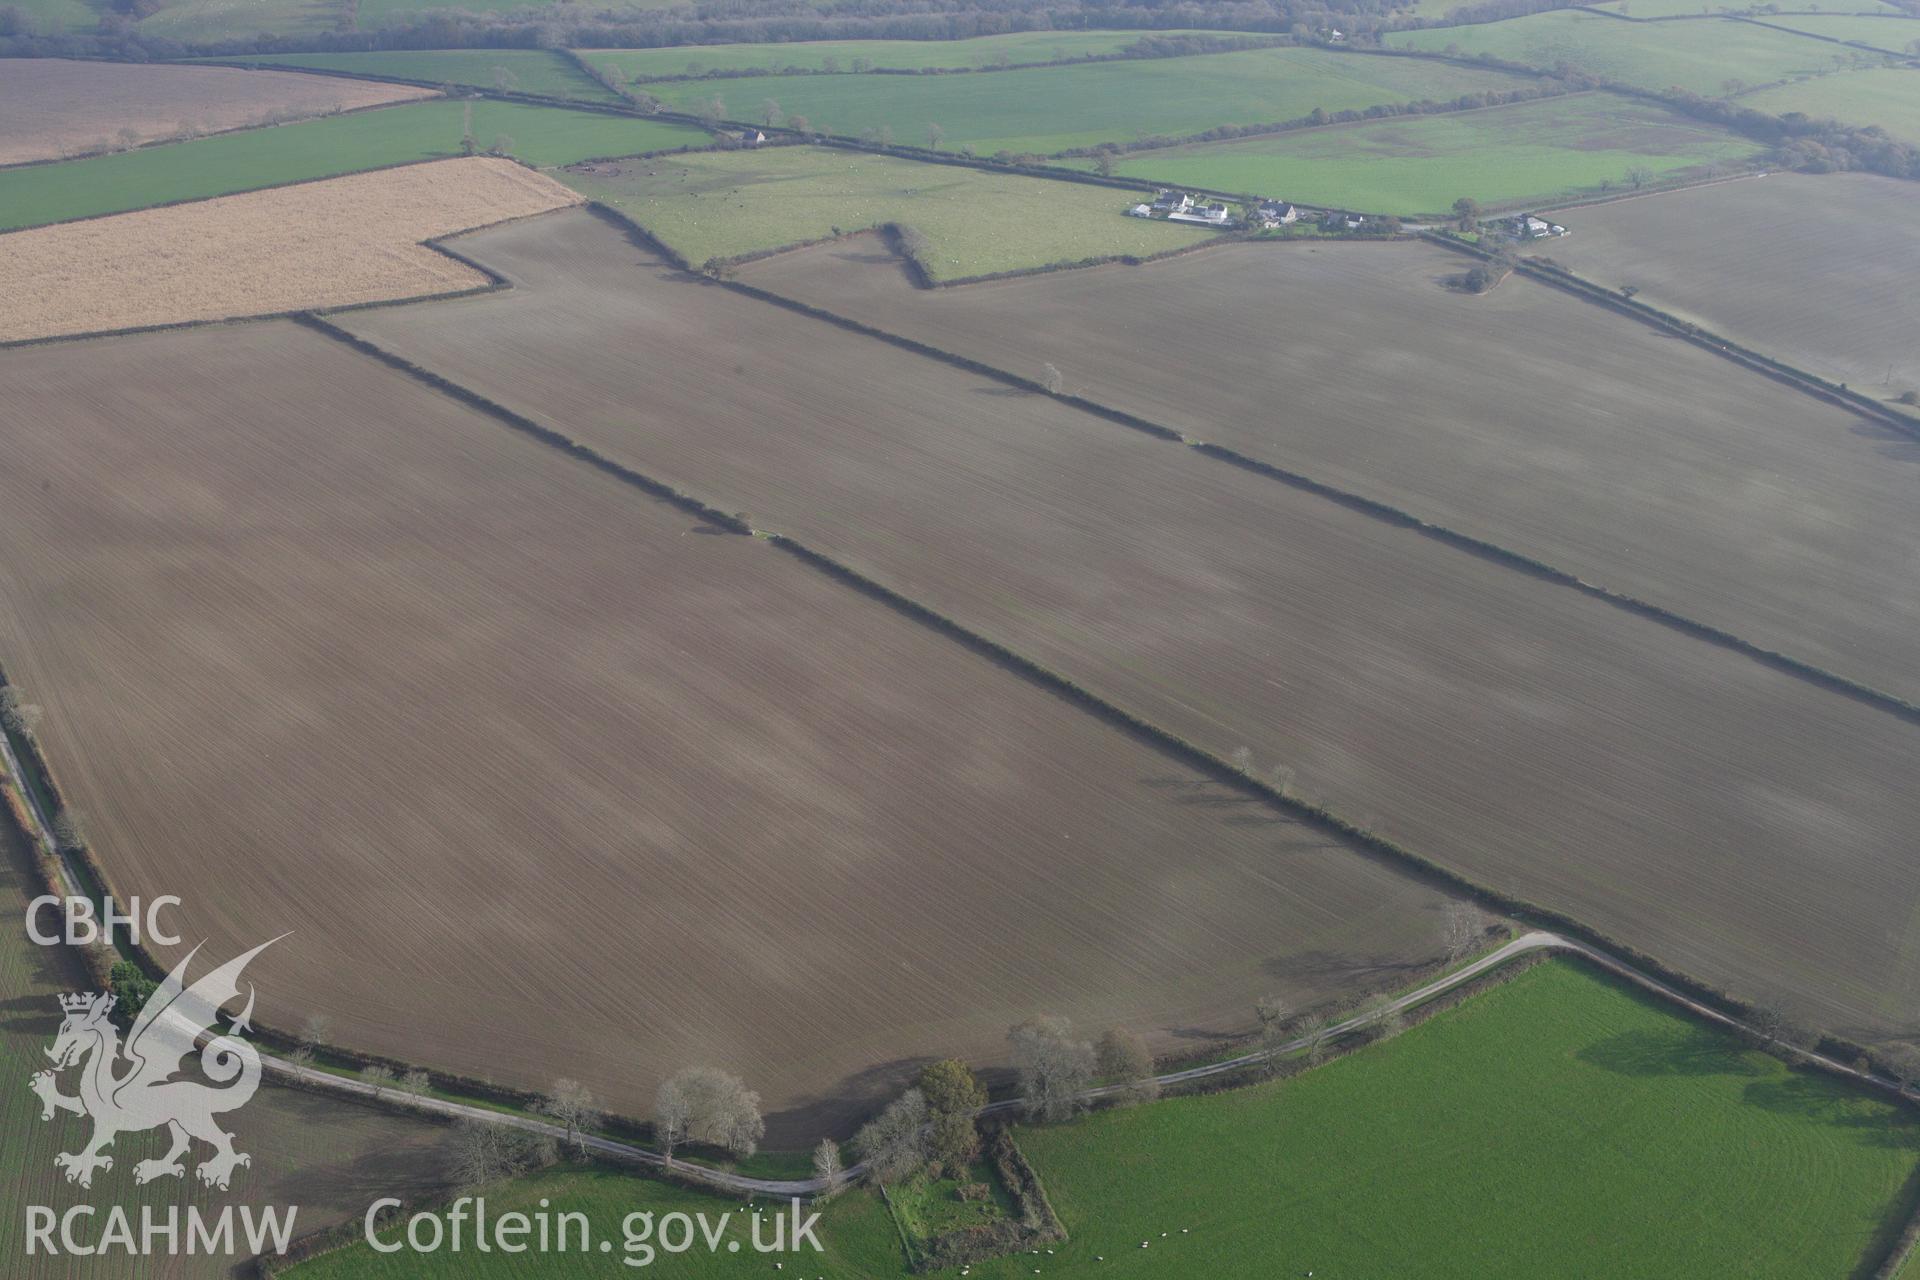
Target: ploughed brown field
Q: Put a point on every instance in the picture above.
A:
(1739, 823)
(332, 243)
(51, 107)
(316, 1152)
(548, 778)
(1526, 417)
(1820, 272)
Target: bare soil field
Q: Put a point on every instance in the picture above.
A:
(316, 244)
(1737, 822)
(1741, 258)
(1525, 417)
(52, 107)
(548, 778)
(326, 1156)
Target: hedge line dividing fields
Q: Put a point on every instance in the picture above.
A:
(528, 351)
(284, 154)
(1440, 384)
(474, 510)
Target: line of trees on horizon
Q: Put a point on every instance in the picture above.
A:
(23, 34)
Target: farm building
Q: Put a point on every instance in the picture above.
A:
(1276, 213)
(1211, 215)
(1170, 202)
(1140, 211)
(1528, 227)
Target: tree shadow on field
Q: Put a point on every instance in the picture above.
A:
(1888, 442)
(844, 1107)
(1340, 968)
(35, 1015)
(1236, 809)
(1679, 1051)
(1802, 1095)
(865, 257)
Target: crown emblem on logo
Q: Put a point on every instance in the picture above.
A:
(79, 1002)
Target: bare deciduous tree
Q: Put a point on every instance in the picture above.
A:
(827, 1168)
(1123, 1060)
(1463, 928)
(486, 1151)
(415, 1083)
(1275, 1017)
(315, 1030)
(569, 1105)
(706, 1104)
(894, 1143)
(69, 831)
(377, 1077)
(1051, 380)
(17, 714)
(1766, 1022)
(934, 136)
(770, 112)
(1054, 1067)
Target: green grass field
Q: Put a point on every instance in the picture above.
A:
(322, 148)
(1703, 57)
(1894, 35)
(911, 55)
(540, 71)
(50, 17)
(1528, 152)
(206, 21)
(379, 13)
(1432, 9)
(859, 1238)
(1049, 109)
(1886, 96)
(725, 203)
(1560, 1125)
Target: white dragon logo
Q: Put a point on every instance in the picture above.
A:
(146, 1095)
